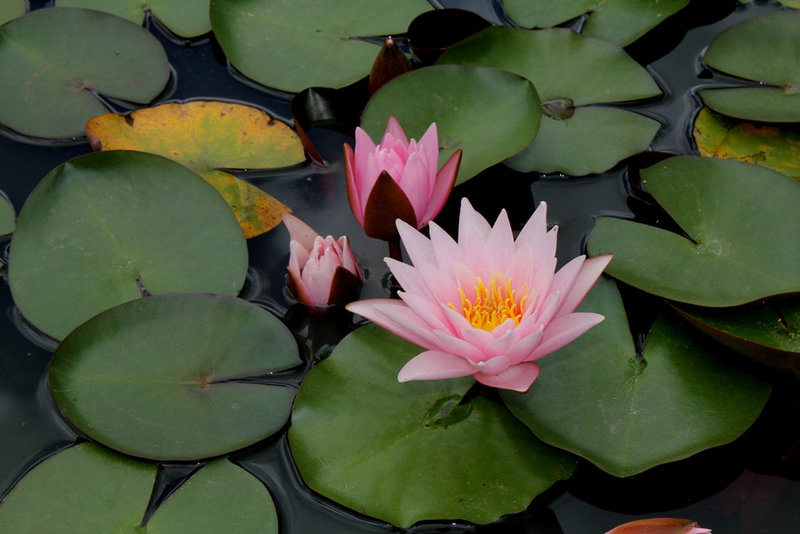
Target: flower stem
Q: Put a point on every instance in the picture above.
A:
(394, 249)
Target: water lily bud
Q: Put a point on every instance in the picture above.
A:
(660, 525)
(322, 271)
(397, 179)
(390, 63)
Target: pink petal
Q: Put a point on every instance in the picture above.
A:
(523, 349)
(434, 365)
(534, 231)
(353, 192)
(492, 366)
(590, 272)
(563, 330)
(516, 378)
(414, 183)
(349, 261)
(499, 246)
(408, 277)
(418, 246)
(445, 249)
(441, 284)
(472, 227)
(395, 316)
(393, 127)
(445, 180)
(299, 231)
(428, 309)
(456, 345)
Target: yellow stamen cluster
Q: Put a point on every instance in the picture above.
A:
(492, 306)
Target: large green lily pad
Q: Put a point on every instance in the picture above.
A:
(570, 73)
(618, 21)
(207, 136)
(596, 399)
(741, 220)
(61, 58)
(106, 227)
(489, 114)
(306, 43)
(11, 9)
(767, 332)
(187, 18)
(88, 488)
(771, 145)
(355, 427)
(7, 216)
(161, 377)
(764, 49)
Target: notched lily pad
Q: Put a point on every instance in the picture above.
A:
(572, 74)
(775, 146)
(106, 227)
(307, 43)
(354, 426)
(626, 414)
(768, 332)
(739, 218)
(465, 102)
(63, 58)
(187, 18)
(164, 377)
(88, 488)
(764, 49)
(207, 136)
(618, 21)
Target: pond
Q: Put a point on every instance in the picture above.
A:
(746, 486)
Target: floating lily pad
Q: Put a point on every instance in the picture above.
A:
(765, 49)
(87, 488)
(768, 332)
(306, 43)
(355, 427)
(570, 72)
(219, 497)
(618, 21)
(187, 18)
(627, 415)
(740, 219)
(465, 103)
(771, 145)
(62, 58)
(207, 136)
(162, 377)
(105, 227)
(7, 217)
(11, 9)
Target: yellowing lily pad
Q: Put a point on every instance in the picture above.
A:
(618, 21)
(772, 145)
(764, 49)
(186, 18)
(60, 59)
(207, 136)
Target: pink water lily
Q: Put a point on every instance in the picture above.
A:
(660, 525)
(322, 270)
(397, 179)
(486, 305)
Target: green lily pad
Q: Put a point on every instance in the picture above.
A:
(11, 9)
(106, 227)
(767, 332)
(570, 73)
(207, 136)
(764, 49)
(595, 399)
(85, 488)
(465, 103)
(618, 21)
(354, 426)
(162, 377)
(187, 18)
(61, 58)
(220, 497)
(306, 43)
(7, 216)
(740, 218)
(88, 488)
(771, 145)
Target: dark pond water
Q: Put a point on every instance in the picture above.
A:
(750, 486)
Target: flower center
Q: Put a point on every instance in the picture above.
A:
(492, 306)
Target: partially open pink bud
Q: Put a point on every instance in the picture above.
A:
(397, 179)
(660, 525)
(322, 270)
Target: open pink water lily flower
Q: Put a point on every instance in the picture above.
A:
(322, 270)
(487, 305)
(397, 179)
(660, 525)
